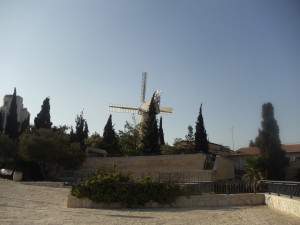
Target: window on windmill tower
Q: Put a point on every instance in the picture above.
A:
(6, 103)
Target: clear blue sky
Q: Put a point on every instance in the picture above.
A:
(230, 55)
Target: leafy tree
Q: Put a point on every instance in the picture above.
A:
(161, 133)
(12, 124)
(62, 129)
(269, 143)
(8, 148)
(150, 136)
(42, 120)
(201, 142)
(176, 141)
(52, 151)
(130, 139)
(81, 132)
(190, 137)
(94, 141)
(24, 125)
(110, 138)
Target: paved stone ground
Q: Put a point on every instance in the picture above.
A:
(27, 204)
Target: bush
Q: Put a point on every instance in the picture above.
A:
(111, 186)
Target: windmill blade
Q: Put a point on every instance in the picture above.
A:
(123, 108)
(143, 87)
(166, 110)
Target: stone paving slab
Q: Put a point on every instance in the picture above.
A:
(28, 204)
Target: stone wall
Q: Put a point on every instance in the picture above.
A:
(224, 168)
(211, 200)
(284, 203)
(177, 168)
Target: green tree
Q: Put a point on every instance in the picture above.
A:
(12, 124)
(254, 168)
(81, 132)
(161, 133)
(94, 141)
(201, 142)
(25, 125)
(1, 121)
(109, 137)
(52, 151)
(42, 120)
(251, 144)
(150, 136)
(268, 141)
(190, 137)
(62, 129)
(8, 148)
(130, 139)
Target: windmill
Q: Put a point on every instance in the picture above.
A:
(144, 107)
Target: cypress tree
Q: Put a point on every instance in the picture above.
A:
(161, 133)
(1, 121)
(201, 142)
(12, 124)
(268, 141)
(81, 131)
(109, 137)
(42, 120)
(251, 144)
(150, 134)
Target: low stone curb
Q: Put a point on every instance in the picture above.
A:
(211, 200)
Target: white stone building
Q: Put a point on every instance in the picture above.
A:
(22, 113)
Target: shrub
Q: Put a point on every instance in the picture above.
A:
(111, 186)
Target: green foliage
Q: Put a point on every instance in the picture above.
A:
(177, 141)
(81, 132)
(94, 141)
(190, 137)
(110, 141)
(201, 142)
(111, 186)
(42, 120)
(1, 121)
(161, 133)
(130, 139)
(254, 168)
(8, 148)
(251, 144)
(169, 150)
(269, 143)
(24, 125)
(12, 124)
(52, 151)
(150, 135)
(62, 129)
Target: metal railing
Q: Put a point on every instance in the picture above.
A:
(289, 188)
(223, 187)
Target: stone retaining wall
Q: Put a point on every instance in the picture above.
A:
(173, 168)
(284, 203)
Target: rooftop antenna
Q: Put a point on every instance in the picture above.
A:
(143, 87)
(232, 138)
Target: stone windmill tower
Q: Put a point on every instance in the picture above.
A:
(144, 107)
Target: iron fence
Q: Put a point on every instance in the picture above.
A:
(289, 188)
(223, 187)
